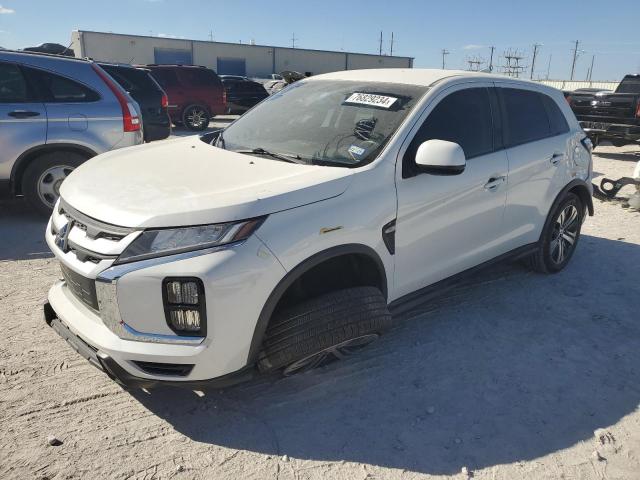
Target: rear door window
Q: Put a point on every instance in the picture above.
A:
(57, 89)
(199, 77)
(13, 86)
(525, 116)
(166, 77)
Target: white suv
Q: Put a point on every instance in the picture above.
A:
(292, 236)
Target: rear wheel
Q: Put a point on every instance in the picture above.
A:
(323, 329)
(560, 236)
(43, 177)
(196, 118)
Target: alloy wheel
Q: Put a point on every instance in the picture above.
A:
(565, 234)
(196, 117)
(334, 352)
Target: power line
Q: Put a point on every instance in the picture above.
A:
(491, 59)
(533, 59)
(444, 53)
(575, 57)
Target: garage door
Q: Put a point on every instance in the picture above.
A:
(232, 66)
(172, 56)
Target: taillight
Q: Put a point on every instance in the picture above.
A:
(165, 101)
(638, 110)
(569, 99)
(224, 96)
(130, 118)
(587, 144)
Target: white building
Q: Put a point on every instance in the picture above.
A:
(224, 58)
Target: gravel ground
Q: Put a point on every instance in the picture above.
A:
(514, 375)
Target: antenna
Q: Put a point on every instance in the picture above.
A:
(211, 35)
(512, 67)
(444, 53)
(293, 40)
(475, 64)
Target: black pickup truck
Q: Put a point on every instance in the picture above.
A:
(613, 116)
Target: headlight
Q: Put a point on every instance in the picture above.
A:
(169, 241)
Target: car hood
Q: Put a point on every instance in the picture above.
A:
(188, 182)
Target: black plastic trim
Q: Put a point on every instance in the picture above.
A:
(426, 294)
(294, 274)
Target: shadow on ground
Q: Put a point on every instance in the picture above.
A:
(21, 232)
(511, 367)
(624, 156)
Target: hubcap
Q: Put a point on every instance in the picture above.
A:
(335, 352)
(565, 233)
(49, 183)
(196, 117)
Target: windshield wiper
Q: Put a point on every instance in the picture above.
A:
(278, 156)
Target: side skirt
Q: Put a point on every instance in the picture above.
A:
(415, 299)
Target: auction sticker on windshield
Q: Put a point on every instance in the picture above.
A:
(373, 100)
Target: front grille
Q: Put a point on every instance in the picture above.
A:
(84, 289)
(93, 228)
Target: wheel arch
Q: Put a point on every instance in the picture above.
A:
(30, 155)
(296, 273)
(578, 187)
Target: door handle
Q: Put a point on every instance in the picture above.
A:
(23, 114)
(494, 183)
(555, 158)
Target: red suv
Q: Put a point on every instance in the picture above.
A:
(195, 94)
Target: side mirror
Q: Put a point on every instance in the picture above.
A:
(440, 157)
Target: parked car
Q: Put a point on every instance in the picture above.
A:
(195, 93)
(291, 236)
(610, 116)
(55, 113)
(53, 48)
(242, 94)
(153, 101)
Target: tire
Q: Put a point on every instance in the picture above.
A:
(554, 251)
(44, 175)
(322, 329)
(196, 118)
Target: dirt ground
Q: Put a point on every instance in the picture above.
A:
(507, 377)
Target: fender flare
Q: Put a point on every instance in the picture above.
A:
(295, 273)
(23, 160)
(585, 196)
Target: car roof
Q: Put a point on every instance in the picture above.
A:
(17, 54)
(412, 76)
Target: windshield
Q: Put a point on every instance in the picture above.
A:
(324, 122)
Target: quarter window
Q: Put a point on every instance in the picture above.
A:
(463, 117)
(525, 116)
(557, 121)
(13, 87)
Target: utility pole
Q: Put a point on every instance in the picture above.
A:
(293, 40)
(491, 59)
(391, 51)
(211, 35)
(380, 51)
(444, 53)
(533, 59)
(549, 65)
(575, 57)
(593, 57)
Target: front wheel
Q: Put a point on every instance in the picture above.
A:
(559, 237)
(196, 118)
(324, 329)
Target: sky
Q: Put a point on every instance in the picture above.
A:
(422, 29)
